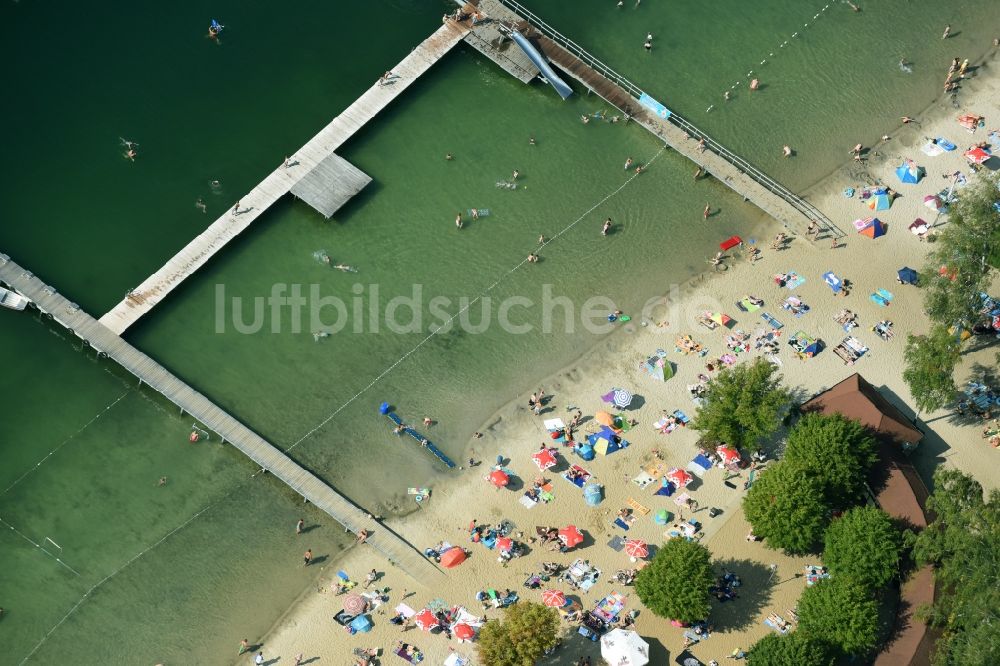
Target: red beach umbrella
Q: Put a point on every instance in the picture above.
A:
(570, 536)
(355, 604)
(463, 632)
(636, 548)
(425, 619)
(452, 558)
(977, 155)
(544, 459)
(504, 543)
(499, 478)
(679, 477)
(553, 598)
(728, 454)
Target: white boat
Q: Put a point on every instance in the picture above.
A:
(12, 299)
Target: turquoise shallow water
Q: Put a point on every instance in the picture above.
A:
(95, 225)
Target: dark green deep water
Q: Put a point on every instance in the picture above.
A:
(79, 76)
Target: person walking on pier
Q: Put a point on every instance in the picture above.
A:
(236, 209)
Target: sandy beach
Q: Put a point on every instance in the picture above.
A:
(769, 577)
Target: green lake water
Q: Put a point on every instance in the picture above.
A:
(219, 558)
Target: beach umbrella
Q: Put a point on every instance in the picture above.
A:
(362, 624)
(571, 536)
(623, 398)
(553, 598)
(907, 275)
(909, 173)
(636, 548)
(452, 557)
(679, 477)
(499, 478)
(355, 604)
(544, 459)
(880, 201)
(977, 155)
(426, 619)
(934, 203)
(504, 543)
(624, 648)
(604, 418)
(463, 632)
(661, 517)
(728, 454)
(609, 397)
(720, 318)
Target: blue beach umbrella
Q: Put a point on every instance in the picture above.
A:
(909, 173)
(907, 275)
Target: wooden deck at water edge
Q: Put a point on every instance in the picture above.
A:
(310, 159)
(270, 458)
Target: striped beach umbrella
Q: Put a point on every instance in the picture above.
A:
(679, 477)
(544, 459)
(355, 604)
(636, 548)
(553, 598)
(623, 398)
(977, 155)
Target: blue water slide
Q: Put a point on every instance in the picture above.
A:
(542, 64)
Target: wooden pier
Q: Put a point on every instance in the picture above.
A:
(753, 185)
(270, 458)
(485, 37)
(321, 178)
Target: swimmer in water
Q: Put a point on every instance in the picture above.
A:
(458, 220)
(531, 140)
(475, 213)
(755, 84)
(130, 146)
(725, 95)
(786, 151)
(541, 239)
(215, 185)
(853, 6)
(628, 163)
(448, 156)
(200, 205)
(532, 258)
(515, 174)
(345, 268)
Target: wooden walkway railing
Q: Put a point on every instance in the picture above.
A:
(270, 458)
(737, 173)
(279, 182)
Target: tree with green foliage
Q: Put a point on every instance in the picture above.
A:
(675, 583)
(838, 452)
(965, 248)
(962, 543)
(797, 648)
(787, 508)
(521, 637)
(742, 405)
(864, 545)
(841, 611)
(930, 366)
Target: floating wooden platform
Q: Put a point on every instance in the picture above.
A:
(331, 184)
(270, 458)
(310, 164)
(486, 38)
(728, 168)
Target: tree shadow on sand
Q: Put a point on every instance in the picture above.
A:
(752, 596)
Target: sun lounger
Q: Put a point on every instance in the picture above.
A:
(771, 321)
(638, 508)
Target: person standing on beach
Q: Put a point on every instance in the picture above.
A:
(298, 659)
(307, 557)
(705, 213)
(299, 525)
(258, 659)
(947, 31)
(370, 578)
(244, 646)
